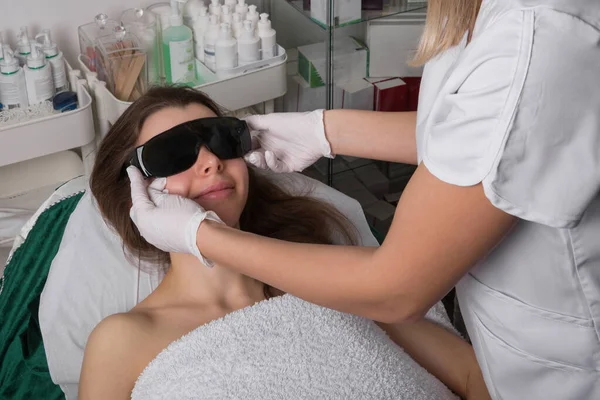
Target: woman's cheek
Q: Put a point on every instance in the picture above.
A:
(175, 186)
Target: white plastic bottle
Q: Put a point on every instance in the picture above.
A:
(231, 4)
(248, 45)
(210, 40)
(242, 8)
(191, 9)
(237, 26)
(13, 88)
(266, 33)
(252, 15)
(56, 60)
(200, 27)
(226, 56)
(23, 45)
(215, 8)
(226, 16)
(38, 75)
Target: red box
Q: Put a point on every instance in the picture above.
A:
(391, 95)
(414, 85)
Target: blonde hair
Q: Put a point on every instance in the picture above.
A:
(447, 23)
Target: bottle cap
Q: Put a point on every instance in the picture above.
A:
(225, 31)
(237, 17)
(264, 24)
(252, 9)
(10, 64)
(48, 46)
(248, 31)
(36, 59)
(175, 19)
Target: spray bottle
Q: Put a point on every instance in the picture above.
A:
(200, 27)
(23, 45)
(38, 75)
(210, 40)
(248, 44)
(226, 56)
(56, 59)
(13, 88)
(178, 50)
(266, 34)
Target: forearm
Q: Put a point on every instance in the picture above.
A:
(387, 136)
(339, 277)
(443, 354)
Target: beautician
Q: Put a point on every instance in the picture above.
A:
(504, 203)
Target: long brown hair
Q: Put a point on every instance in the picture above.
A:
(447, 23)
(269, 211)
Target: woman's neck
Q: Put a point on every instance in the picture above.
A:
(190, 281)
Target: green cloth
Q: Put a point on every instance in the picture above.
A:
(23, 367)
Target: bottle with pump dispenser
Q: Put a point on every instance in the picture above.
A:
(13, 88)
(237, 26)
(191, 9)
(226, 15)
(266, 33)
(248, 45)
(56, 60)
(200, 27)
(215, 9)
(252, 15)
(4, 46)
(38, 76)
(242, 8)
(178, 50)
(210, 40)
(226, 56)
(23, 45)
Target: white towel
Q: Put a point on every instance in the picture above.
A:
(286, 348)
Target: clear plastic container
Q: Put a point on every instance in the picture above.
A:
(90, 33)
(122, 64)
(145, 25)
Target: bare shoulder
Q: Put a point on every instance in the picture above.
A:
(112, 359)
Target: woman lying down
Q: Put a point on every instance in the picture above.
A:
(211, 333)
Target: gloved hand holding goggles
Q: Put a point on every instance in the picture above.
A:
(177, 149)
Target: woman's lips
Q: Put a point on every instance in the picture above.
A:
(216, 192)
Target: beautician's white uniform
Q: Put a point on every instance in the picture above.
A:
(519, 110)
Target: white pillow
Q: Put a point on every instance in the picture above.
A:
(91, 279)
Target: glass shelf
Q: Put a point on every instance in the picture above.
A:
(394, 7)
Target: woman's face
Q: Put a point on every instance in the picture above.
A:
(217, 185)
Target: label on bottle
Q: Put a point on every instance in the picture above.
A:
(59, 73)
(40, 86)
(209, 55)
(183, 67)
(13, 93)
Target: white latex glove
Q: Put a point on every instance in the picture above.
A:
(167, 221)
(288, 142)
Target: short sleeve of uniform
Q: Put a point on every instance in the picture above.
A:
(521, 114)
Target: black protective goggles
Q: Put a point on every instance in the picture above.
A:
(177, 149)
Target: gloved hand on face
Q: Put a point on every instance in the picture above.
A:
(288, 142)
(167, 221)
